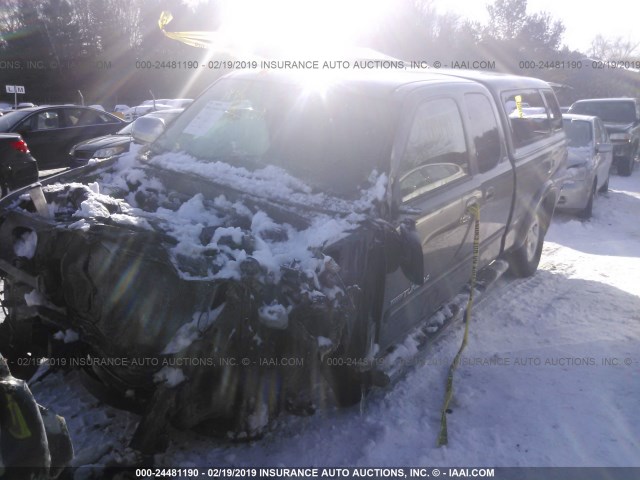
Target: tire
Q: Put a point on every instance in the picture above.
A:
(523, 261)
(626, 166)
(588, 210)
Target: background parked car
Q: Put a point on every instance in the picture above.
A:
(120, 108)
(111, 145)
(588, 163)
(140, 110)
(51, 131)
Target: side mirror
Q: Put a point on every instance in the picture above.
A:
(604, 148)
(147, 129)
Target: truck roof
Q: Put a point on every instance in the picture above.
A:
(383, 82)
(496, 81)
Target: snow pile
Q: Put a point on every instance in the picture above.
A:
(68, 336)
(274, 316)
(25, 245)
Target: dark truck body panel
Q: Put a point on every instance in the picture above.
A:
(445, 145)
(521, 181)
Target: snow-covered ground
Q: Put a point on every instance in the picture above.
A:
(550, 377)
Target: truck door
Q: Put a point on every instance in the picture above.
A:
(434, 188)
(494, 171)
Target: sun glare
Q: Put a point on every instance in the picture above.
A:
(295, 27)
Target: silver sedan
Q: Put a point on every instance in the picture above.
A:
(588, 164)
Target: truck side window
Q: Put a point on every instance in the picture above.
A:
(436, 152)
(527, 115)
(483, 127)
(554, 109)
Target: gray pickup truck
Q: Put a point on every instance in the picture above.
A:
(621, 117)
(283, 233)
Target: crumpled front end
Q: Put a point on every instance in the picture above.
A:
(201, 310)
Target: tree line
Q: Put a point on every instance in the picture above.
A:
(110, 50)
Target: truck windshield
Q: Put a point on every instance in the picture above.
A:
(332, 140)
(610, 112)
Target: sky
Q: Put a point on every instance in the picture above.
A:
(582, 22)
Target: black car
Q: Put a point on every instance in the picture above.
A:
(52, 131)
(111, 145)
(17, 167)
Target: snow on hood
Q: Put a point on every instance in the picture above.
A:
(214, 235)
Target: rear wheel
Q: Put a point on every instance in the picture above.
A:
(523, 262)
(605, 188)
(625, 166)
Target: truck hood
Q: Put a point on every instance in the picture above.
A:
(618, 127)
(210, 211)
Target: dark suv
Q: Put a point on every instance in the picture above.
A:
(621, 117)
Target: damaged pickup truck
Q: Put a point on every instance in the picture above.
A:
(280, 236)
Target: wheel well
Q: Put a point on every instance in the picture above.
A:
(548, 206)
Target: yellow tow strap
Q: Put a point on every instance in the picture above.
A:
(18, 427)
(443, 437)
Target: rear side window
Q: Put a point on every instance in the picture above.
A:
(80, 117)
(483, 128)
(436, 152)
(46, 120)
(554, 109)
(527, 116)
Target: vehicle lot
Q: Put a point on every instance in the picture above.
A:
(582, 304)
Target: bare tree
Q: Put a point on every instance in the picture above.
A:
(618, 48)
